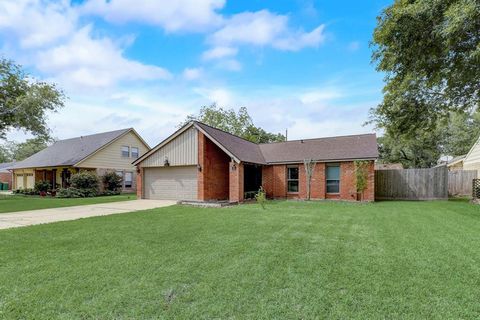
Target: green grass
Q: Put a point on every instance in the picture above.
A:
(296, 260)
(21, 203)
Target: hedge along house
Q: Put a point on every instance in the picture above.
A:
(102, 152)
(202, 163)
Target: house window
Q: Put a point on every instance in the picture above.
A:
(134, 152)
(128, 179)
(333, 178)
(125, 151)
(292, 179)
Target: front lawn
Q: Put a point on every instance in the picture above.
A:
(297, 260)
(23, 203)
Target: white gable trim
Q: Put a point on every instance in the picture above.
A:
(477, 144)
(163, 143)
(217, 143)
(109, 143)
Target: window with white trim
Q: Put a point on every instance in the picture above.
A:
(333, 178)
(125, 151)
(134, 152)
(128, 180)
(292, 179)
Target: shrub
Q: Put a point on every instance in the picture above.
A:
(361, 175)
(261, 197)
(83, 184)
(70, 193)
(112, 182)
(28, 192)
(87, 182)
(42, 186)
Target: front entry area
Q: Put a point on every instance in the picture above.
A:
(171, 183)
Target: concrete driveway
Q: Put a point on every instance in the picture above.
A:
(32, 217)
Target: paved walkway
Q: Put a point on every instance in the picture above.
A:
(32, 217)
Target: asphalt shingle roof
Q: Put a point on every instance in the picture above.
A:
(70, 151)
(244, 150)
(5, 166)
(352, 147)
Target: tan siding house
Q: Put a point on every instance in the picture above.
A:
(472, 160)
(109, 151)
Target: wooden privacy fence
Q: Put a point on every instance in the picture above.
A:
(412, 184)
(460, 182)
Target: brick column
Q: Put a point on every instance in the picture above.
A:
(369, 193)
(236, 182)
(201, 161)
(139, 182)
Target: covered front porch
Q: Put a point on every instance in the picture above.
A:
(223, 179)
(57, 177)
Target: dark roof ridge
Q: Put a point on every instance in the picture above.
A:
(330, 137)
(225, 132)
(93, 134)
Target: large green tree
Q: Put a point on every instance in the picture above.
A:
(25, 102)
(18, 151)
(429, 51)
(238, 123)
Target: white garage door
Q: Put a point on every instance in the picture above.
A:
(171, 183)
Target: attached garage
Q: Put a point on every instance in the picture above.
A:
(171, 183)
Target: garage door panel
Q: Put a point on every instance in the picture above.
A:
(171, 183)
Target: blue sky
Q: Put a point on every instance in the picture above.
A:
(299, 64)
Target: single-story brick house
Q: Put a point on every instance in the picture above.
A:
(101, 152)
(202, 163)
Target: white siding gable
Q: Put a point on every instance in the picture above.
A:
(181, 151)
(110, 157)
(472, 160)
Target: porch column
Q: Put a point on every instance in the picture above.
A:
(236, 182)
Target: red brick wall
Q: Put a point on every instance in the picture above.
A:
(6, 177)
(369, 193)
(274, 181)
(348, 189)
(267, 180)
(279, 181)
(236, 182)
(213, 178)
(139, 182)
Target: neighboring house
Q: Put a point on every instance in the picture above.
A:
(388, 166)
(5, 174)
(456, 163)
(102, 152)
(199, 162)
(472, 159)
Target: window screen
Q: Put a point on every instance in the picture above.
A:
(333, 179)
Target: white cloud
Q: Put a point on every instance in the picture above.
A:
(219, 52)
(36, 23)
(48, 36)
(230, 65)
(263, 28)
(192, 73)
(178, 15)
(320, 95)
(222, 96)
(93, 63)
